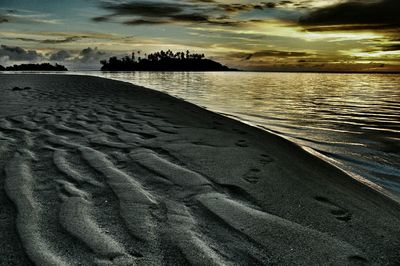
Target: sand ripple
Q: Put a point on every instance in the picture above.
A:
(100, 181)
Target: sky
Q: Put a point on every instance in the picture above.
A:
(277, 35)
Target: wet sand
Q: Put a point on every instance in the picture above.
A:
(101, 172)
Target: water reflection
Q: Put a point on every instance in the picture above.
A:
(352, 118)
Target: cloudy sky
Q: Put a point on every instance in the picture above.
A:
(356, 35)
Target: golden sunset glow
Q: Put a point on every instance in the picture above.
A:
(277, 35)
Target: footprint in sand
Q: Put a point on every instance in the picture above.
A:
(3, 216)
(357, 260)
(21, 89)
(241, 143)
(266, 159)
(339, 213)
(252, 176)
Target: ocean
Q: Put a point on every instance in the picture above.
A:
(352, 120)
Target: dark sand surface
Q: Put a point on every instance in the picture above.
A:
(101, 172)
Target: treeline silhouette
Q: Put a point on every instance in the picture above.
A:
(163, 61)
(34, 67)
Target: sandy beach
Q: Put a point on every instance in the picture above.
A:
(102, 172)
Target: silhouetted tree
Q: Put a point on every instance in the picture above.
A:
(2, 68)
(163, 61)
(36, 67)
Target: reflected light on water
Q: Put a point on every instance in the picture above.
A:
(353, 119)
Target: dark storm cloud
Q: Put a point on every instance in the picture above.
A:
(246, 7)
(4, 16)
(352, 27)
(191, 11)
(22, 16)
(201, 1)
(355, 15)
(283, 3)
(21, 39)
(60, 55)
(384, 47)
(194, 17)
(144, 22)
(15, 53)
(65, 40)
(391, 47)
(200, 18)
(101, 18)
(49, 41)
(89, 55)
(276, 53)
(152, 13)
(271, 53)
(86, 58)
(146, 9)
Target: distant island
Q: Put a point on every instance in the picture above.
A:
(34, 67)
(163, 61)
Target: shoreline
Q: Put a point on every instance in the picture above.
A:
(253, 174)
(334, 163)
(75, 72)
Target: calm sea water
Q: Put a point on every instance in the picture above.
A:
(352, 119)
